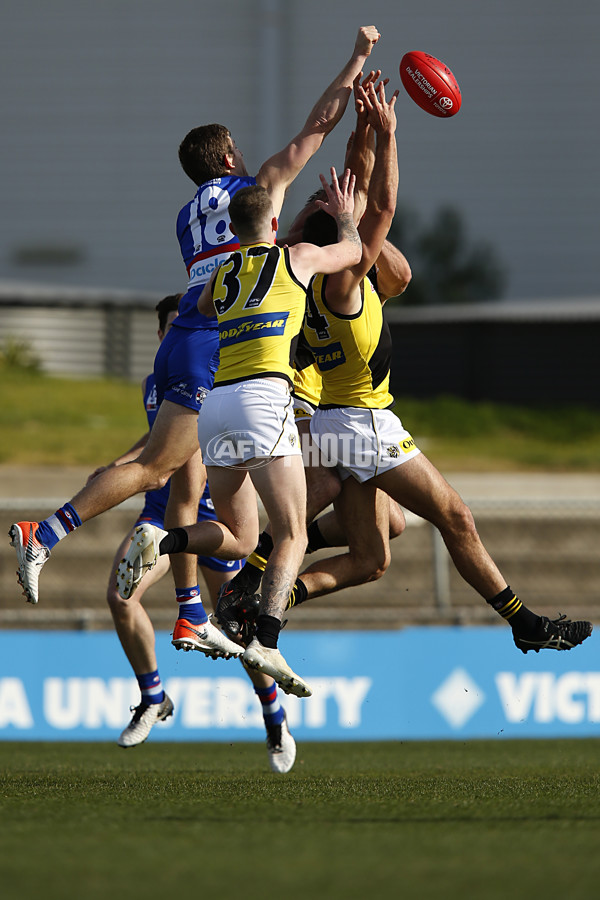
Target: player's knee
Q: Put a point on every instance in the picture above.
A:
(118, 606)
(397, 521)
(460, 520)
(372, 566)
(158, 478)
(245, 545)
(381, 564)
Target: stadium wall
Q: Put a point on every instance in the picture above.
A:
(522, 353)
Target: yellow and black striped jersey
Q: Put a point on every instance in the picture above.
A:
(260, 306)
(351, 352)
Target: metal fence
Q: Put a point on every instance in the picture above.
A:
(547, 550)
(82, 332)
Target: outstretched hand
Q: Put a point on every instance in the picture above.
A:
(340, 196)
(359, 88)
(379, 111)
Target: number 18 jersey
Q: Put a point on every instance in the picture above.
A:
(206, 239)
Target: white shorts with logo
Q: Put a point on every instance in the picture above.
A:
(361, 442)
(303, 410)
(253, 418)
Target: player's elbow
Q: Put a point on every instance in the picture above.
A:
(404, 278)
(392, 284)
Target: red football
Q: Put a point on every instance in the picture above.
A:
(430, 83)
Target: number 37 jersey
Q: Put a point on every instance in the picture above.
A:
(206, 239)
(260, 306)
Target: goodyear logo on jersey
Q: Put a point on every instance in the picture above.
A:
(248, 328)
(329, 357)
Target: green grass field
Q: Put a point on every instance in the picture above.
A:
(57, 421)
(410, 820)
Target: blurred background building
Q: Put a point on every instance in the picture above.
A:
(497, 206)
(97, 94)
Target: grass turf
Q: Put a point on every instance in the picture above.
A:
(57, 421)
(410, 820)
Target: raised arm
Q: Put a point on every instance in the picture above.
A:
(360, 156)
(383, 187)
(308, 259)
(278, 172)
(381, 202)
(393, 272)
(360, 151)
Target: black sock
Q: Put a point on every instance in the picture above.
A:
(299, 594)
(508, 605)
(175, 541)
(316, 541)
(267, 631)
(265, 545)
(249, 576)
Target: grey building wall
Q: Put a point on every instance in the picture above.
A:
(95, 97)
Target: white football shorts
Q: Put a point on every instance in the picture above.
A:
(249, 419)
(303, 410)
(361, 442)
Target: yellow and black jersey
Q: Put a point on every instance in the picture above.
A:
(307, 378)
(351, 352)
(260, 306)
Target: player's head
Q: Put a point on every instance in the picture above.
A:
(209, 151)
(295, 233)
(167, 311)
(320, 228)
(252, 216)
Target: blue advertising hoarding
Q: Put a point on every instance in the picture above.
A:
(418, 683)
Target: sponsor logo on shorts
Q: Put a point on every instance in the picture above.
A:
(408, 445)
(328, 357)
(301, 413)
(183, 390)
(249, 328)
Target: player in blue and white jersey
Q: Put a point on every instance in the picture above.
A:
(133, 624)
(183, 377)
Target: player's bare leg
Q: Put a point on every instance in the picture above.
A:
(368, 555)
(193, 630)
(286, 512)
(331, 530)
(172, 442)
(323, 484)
(132, 622)
(418, 486)
(136, 634)
(187, 486)
(322, 487)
